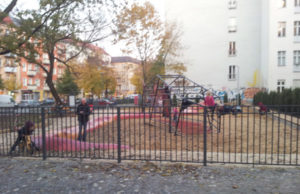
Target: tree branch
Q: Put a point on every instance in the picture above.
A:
(8, 9)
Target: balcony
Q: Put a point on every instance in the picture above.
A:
(10, 69)
(46, 88)
(46, 61)
(31, 73)
(297, 39)
(31, 87)
(59, 75)
(10, 55)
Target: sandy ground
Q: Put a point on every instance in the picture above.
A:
(238, 134)
(245, 137)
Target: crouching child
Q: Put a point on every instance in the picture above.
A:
(24, 138)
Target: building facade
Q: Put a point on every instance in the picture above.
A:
(240, 43)
(281, 44)
(125, 68)
(26, 80)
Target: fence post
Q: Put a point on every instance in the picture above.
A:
(44, 134)
(170, 118)
(119, 133)
(205, 137)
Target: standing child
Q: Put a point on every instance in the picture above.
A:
(175, 114)
(210, 103)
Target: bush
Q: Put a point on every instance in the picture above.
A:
(287, 97)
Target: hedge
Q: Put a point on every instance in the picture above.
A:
(286, 97)
(287, 100)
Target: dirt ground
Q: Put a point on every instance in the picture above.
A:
(246, 133)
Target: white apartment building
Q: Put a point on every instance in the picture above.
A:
(240, 43)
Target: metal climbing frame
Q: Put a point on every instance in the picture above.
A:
(178, 85)
(160, 91)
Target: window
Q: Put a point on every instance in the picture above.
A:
(37, 82)
(297, 3)
(280, 85)
(281, 58)
(232, 27)
(281, 29)
(45, 56)
(54, 71)
(296, 83)
(29, 67)
(232, 4)
(30, 81)
(232, 72)
(24, 81)
(8, 62)
(0, 62)
(232, 49)
(297, 58)
(297, 28)
(36, 56)
(24, 67)
(281, 3)
(36, 68)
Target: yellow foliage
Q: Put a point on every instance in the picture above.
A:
(12, 84)
(94, 78)
(137, 81)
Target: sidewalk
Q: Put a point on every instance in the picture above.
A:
(97, 176)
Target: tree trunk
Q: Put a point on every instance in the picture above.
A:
(49, 79)
(106, 92)
(53, 91)
(8, 9)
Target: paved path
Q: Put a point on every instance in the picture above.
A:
(73, 176)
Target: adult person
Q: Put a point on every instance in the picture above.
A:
(83, 112)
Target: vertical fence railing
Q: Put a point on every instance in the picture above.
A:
(43, 134)
(130, 133)
(205, 137)
(119, 133)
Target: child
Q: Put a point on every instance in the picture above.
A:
(23, 133)
(210, 103)
(175, 114)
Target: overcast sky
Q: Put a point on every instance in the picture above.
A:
(113, 50)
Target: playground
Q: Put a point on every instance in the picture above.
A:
(161, 127)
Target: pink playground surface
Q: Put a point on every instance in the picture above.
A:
(66, 139)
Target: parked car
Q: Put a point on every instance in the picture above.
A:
(7, 101)
(104, 102)
(132, 96)
(48, 102)
(29, 103)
